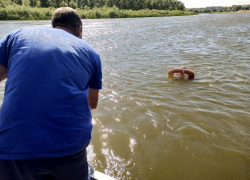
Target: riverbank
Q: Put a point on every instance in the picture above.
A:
(243, 11)
(28, 13)
(237, 12)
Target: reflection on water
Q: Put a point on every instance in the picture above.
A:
(167, 128)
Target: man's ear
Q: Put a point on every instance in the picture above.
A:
(79, 31)
(3, 73)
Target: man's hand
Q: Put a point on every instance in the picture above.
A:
(3, 73)
(93, 98)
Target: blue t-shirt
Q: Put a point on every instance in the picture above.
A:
(45, 111)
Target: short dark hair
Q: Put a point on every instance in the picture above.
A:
(66, 17)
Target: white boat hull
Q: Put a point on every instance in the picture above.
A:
(96, 175)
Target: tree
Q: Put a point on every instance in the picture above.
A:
(32, 3)
(180, 6)
(64, 4)
(4, 3)
(72, 4)
(44, 3)
(236, 8)
(101, 3)
(58, 2)
(19, 2)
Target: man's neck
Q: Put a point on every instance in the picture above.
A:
(64, 28)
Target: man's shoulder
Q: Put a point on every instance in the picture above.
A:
(13, 32)
(17, 31)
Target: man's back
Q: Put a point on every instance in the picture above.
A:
(45, 109)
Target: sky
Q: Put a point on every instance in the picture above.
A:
(205, 3)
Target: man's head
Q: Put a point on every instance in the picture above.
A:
(68, 18)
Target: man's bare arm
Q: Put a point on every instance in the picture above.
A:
(3, 73)
(93, 98)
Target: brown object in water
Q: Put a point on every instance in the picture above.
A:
(182, 72)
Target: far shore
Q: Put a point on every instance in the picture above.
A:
(28, 13)
(243, 11)
(237, 12)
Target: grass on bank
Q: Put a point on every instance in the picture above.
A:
(28, 13)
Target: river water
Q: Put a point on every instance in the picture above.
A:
(158, 128)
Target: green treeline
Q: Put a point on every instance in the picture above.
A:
(90, 4)
(215, 9)
(91, 9)
(24, 13)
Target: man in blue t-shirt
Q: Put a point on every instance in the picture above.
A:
(53, 82)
